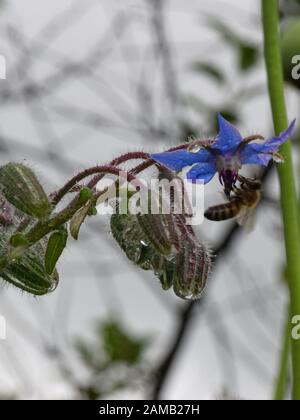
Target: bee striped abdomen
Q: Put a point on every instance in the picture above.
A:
(223, 211)
(241, 203)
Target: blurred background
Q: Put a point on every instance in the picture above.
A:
(86, 82)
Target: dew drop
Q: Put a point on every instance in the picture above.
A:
(194, 149)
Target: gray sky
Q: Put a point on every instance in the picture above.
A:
(95, 278)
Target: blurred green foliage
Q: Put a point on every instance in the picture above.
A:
(115, 361)
(248, 55)
(119, 346)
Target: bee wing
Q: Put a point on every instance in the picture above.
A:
(247, 218)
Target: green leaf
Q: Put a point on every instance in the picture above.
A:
(56, 244)
(78, 219)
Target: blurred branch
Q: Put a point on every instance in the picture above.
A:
(164, 52)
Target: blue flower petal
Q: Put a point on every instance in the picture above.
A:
(252, 154)
(201, 171)
(273, 144)
(228, 138)
(179, 159)
(261, 153)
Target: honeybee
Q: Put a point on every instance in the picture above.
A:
(241, 204)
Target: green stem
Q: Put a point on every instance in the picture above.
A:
(281, 382)
(42, 228)
(286, 177)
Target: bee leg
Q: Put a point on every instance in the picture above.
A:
(242, 179)
(254, 184)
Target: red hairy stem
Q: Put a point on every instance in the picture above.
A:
(103, 170)
(130, 156)
(118, 161)
(71, 184)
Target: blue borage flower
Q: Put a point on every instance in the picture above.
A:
(226, 154)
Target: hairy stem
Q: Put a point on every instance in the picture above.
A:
(118, 161)
(286, 178)
(42, 228)
(100, 171)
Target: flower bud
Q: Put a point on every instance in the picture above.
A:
(156, 232)
(28, 273)
(193, 265)
(164, 269)
(20, 187)
(128, 234)
(186, 268)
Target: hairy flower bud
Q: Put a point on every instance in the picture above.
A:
(28, 272)
(155, 231)
(193, 266)
(164, 270)
(128, 234)
(186, 268)
(21, 188)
